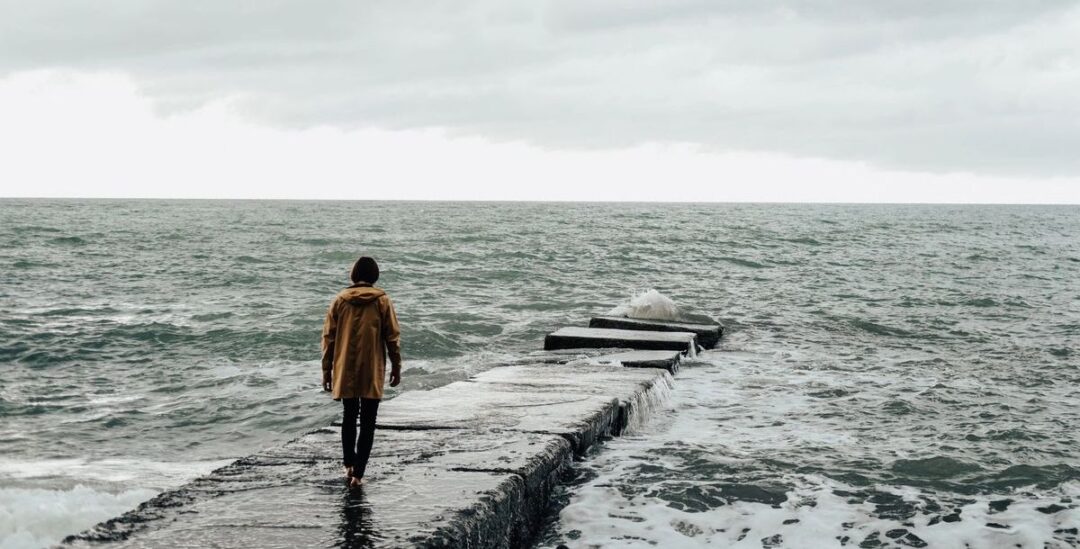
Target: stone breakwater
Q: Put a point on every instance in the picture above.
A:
(469, 464)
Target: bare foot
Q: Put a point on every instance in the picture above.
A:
(347, 471)
(356, 482)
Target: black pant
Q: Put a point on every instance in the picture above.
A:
(367, 409)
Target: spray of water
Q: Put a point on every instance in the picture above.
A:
(649, 304)
(646, 403)
(39, 517)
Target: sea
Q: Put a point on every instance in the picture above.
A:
(890, 376)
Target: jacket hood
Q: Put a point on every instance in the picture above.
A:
(361, 295)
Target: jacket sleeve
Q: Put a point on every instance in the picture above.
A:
(392, 333)
(329, 337)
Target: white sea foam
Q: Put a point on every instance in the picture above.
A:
(646, 403)
(34, 512)
(675, 481)
(150, 474)
(37, 517)
(649, 304)
(602, 516)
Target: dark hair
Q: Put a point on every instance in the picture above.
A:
(365, 269)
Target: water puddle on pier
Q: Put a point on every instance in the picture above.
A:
(768, 450)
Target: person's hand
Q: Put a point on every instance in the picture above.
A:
(326, 384)
(395, 376)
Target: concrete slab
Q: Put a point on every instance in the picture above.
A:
(668, 360)
(631, 389)
(607, 381)
(582, 404)
(581, 419)
(424, 489)
(573, 337)
(708, 334)
(562, 356)
(470, 464)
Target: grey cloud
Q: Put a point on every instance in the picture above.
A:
(982, 86)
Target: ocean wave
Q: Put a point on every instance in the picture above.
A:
(647, 304)
(802, 240)
(1041, 477)
(25, 229)
(251, 259)
(33, 517)
(743, 262)
(879, 329)
(31, 264)
(812, 512)
(937, 467)
(68, 241)
(319, 241)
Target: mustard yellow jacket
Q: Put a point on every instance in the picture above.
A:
(360, 330)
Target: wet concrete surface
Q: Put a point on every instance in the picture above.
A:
(564, 356)
(574, 338)
(469, 464)
(708, 334)
(581, 403)
(668, 360)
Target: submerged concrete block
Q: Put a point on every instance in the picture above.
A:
(573, 338)
(562, 356)
(668, 360)
(629, 388)
(463, 405)
(608, 381)
(579, 403)
(708, 334)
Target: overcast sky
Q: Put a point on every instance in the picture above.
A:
(885, 100)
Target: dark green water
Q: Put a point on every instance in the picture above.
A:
(896, 354)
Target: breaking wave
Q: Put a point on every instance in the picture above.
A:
(650, 305)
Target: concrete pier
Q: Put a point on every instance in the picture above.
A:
(469, 464)
(708, 335)
(573, 337)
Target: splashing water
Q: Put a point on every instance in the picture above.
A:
(646, 403)
(36, 517)
(649, 305)
(744, 452)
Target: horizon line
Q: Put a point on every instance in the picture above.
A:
(526, 201)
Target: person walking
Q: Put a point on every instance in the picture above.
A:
(360, 331)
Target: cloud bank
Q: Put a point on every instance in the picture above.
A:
(96, 135)
(984, 87)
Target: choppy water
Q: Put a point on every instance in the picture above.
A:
(886, 366)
